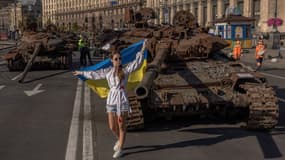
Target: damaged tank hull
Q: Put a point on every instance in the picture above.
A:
(54, 52)
(186, 75)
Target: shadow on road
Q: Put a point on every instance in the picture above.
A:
(265, 140)
(47, 76)
(271, 69)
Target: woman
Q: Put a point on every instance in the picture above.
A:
(259, 54)
(117, 101)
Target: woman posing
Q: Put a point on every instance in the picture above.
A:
(117, 101)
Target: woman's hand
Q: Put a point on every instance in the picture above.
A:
(144, 44)
(77, 73)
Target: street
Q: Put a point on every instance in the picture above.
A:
(53, 115)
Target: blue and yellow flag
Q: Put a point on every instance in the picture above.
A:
(128, 55)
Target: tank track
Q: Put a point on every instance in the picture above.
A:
(135, 118)
(263, 109)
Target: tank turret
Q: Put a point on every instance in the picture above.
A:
(187, 75)
(42, 50)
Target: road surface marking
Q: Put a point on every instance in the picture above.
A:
(87, 127)
(272, 75)
(2, 86)
(267, 74)
(71, 148)
(34, 91)
(3, 62)
(19, 75)
(281, 99)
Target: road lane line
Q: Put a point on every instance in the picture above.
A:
(281, 99)
(87, 127)
(2, 86)
(19, 75)
(71, 148)
(34, 91)
(272, 75)
(3, 62)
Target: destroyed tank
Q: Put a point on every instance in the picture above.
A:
(187, 75)
(44, 50)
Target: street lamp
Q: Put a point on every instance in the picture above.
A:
(15, 19)
(275, 34)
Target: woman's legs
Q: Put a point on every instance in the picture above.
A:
(113, 124)
(122, 123)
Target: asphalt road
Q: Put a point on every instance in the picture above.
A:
(64, 120)
(197, 139)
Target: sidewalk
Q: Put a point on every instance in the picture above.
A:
(249, 58)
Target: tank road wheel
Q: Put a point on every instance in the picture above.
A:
(16, 65)
(263, 109)
(135, 119)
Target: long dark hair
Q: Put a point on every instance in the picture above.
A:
(120, 72)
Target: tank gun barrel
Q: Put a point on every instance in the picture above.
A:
(152, 71)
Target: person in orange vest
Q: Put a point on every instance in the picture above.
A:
(259, 54)
(237, 50)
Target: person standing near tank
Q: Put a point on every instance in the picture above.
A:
(84, 51)
(81, 45)
(237, 50)
(281, 50)
(259, 54)
(117, 105)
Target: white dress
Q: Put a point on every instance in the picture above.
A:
(117, 95)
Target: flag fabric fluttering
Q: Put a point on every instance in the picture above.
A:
(128, 55)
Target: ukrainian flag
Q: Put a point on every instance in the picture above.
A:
(128, 55)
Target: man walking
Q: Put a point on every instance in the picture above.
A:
(81, 46)
(281, 50)
(259, 54)
(84, 51)
(237, 50)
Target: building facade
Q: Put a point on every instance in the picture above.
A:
(4, 19)
(21, 16)
(91, 14)
(87, 14)
(15, 16)
(207, 11)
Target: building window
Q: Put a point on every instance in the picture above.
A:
(240, 6)
(204, 16)
(196, 9)
(214, 10)
(256, 11)
(226, 5)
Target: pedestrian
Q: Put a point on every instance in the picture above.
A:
(81, 45)
(86, 52)
(281, 49)
(237, 50)
(117, 105)
(259, 54)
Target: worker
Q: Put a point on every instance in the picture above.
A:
(237, 50)
(81, 46)
(259, 54)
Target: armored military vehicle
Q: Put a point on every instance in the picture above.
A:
(42, 50)
(53, 52)
(187, 75)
